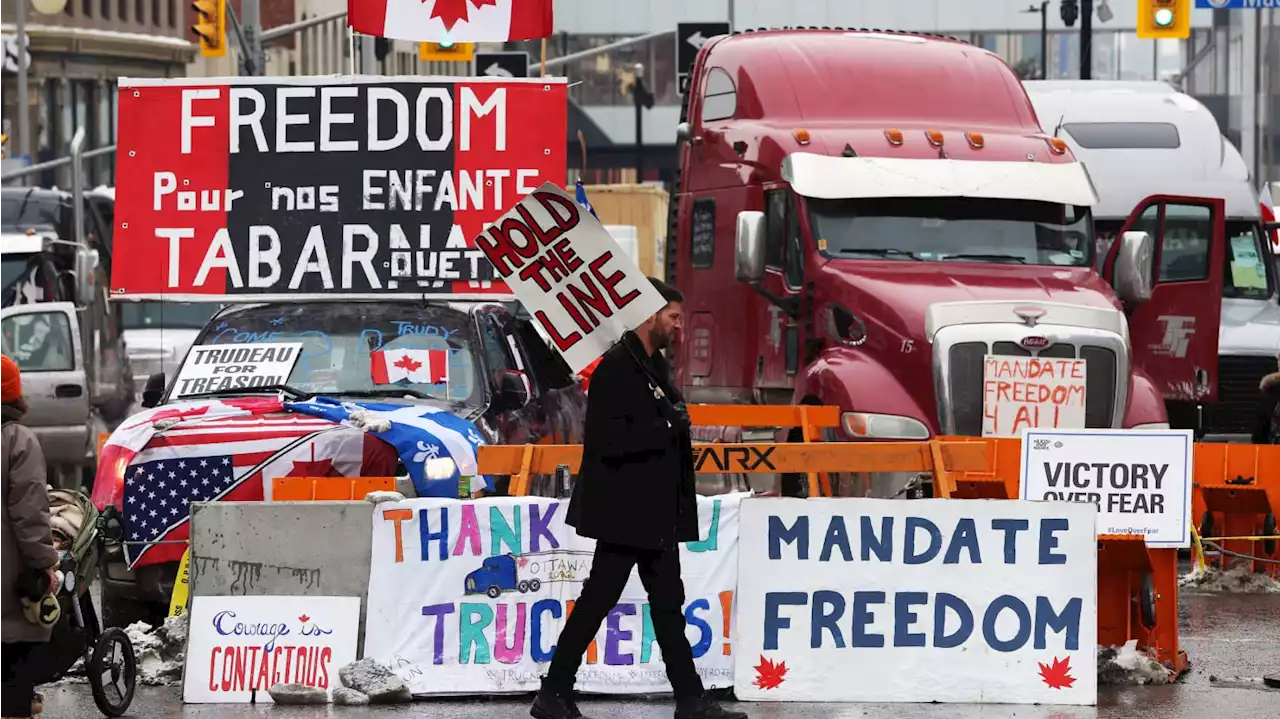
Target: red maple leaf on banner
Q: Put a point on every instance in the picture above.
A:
(451, 12)
(770, 675)
(1058, 674)
(304, 619)
(408, 363)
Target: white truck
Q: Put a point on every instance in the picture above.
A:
(1144, 138)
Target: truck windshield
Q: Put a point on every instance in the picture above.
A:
(339, 341)
(953, 229)
(167, 315)
(22, 210)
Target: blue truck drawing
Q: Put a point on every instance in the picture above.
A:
(527, 572)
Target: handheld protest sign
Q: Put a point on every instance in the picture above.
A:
(570, 274)
(278, 188)
(209, 368)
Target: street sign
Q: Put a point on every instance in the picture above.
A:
(690, 37)
(502, 64)
(1237, 4)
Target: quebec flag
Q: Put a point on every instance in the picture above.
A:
(418, 433)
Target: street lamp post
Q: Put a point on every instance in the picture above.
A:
(1043, 9)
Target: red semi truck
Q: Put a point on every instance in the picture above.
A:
(861, 217)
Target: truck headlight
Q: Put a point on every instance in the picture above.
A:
(867, 425)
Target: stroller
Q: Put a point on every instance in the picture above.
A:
(109, 660)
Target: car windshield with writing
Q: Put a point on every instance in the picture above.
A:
(363, 349)
(950, 229)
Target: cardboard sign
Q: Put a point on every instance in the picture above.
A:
(1035, 392)
(932, 600)
(1140, 480)
(470, 597)
(249, 188)
(239, 646)
(570, 274)
(209, 368)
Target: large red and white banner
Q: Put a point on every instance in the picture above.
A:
(230, 189)
(456, 20)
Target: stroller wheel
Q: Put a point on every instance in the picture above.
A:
(113, 672)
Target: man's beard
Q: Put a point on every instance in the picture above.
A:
(658, 339)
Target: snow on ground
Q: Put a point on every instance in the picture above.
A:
(1119, 666)
(1236, 580)
(159, 650)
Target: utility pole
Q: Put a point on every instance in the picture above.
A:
(1043, 9)
(252, 30)
(368, 56)
(1086, 39)
(24, 106)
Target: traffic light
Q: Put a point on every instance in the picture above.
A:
(211, 27)
(446, 51)
(1164, 19)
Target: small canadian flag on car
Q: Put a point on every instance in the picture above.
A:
(410, 366)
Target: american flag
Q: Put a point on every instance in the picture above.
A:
(231, 459)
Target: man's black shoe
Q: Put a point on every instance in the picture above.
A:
(705, 708)
(551, 704)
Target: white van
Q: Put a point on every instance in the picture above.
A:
(1144, 138)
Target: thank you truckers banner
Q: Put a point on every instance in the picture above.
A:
(881, 600)
(470, 597)
(267, 186)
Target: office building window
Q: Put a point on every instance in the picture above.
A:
(123, 10)
(155, 12)
(140, 11)
(173, 14)
(86, 8)
(105, 10)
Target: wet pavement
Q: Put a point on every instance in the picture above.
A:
(1225, 636)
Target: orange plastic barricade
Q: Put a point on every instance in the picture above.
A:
(307, 489)
(1236, 499)
(811, 419)
(1137, 585)
(522, 461)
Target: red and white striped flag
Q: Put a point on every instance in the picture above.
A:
(452, 20)
(409, 366)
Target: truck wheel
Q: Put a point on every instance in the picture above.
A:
(523, 586)
(1269, 530)
(493, 592)
(1147, 601)
(534, 585)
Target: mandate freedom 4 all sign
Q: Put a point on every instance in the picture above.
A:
(247, 187)
(209, 368)
(1140, 480)
(880, 600)
(1031, 392)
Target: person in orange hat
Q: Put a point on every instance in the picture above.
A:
(28, 553)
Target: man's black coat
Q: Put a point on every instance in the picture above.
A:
(636, 483)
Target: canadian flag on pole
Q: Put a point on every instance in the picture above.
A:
(410, 366)
(452, 20)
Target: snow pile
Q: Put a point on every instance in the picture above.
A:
(1237, 580)
(1126, 666)
(74, 675)
(160, 651)
(368, 420)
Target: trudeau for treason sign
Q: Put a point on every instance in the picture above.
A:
(346, 186)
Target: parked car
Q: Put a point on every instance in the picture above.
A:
(502, 377)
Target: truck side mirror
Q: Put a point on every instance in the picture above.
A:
(1135, 263)
(683, 132)
(748, 264)
(513, 389)
(86, 270)
(154, 391)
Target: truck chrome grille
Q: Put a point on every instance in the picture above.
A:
(959, 363)
(1240, 402)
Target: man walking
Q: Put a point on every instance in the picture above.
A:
(635, 497)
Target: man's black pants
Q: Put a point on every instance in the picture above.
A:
(19, 690)
(610, 569)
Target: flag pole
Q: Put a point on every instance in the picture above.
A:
(544, 57)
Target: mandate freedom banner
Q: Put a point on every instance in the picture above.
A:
(1140, 479)
(240, 188)
(948, 600)
(470, 597)
(1036, 392)
(570, 274)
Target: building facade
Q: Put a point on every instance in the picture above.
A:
(77, 56)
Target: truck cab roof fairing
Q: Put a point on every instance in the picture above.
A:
(832, 178)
